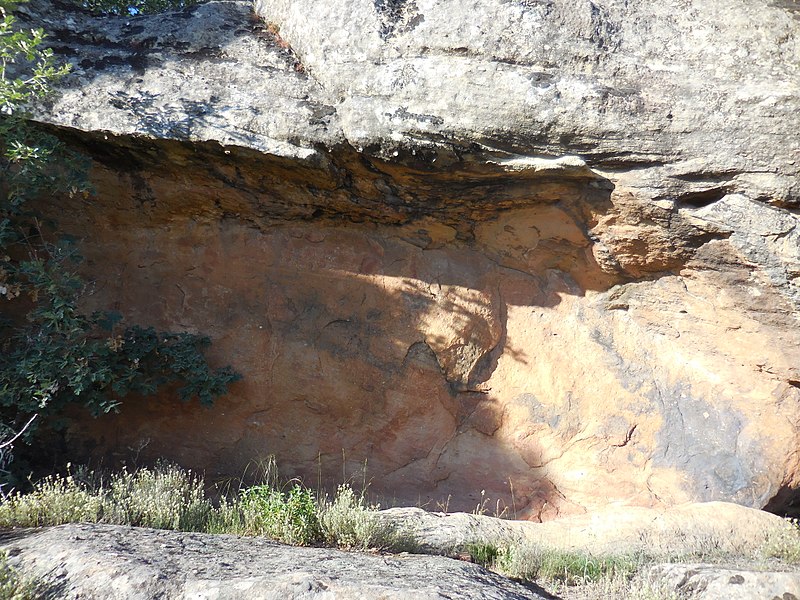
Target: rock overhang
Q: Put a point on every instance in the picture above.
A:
(309, 77)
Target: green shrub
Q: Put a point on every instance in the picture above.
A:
(289, 517)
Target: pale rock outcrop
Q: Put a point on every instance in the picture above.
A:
(547, 250)
(687, 530)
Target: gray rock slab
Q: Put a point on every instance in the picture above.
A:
(210, 73)
(114, 562)
(713, 582)
(676, 100)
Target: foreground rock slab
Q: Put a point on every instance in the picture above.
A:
(109, 562)
(712, 582)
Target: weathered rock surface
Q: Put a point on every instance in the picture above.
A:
(687, 530)
(712, 582)
(548, 250)
(113, 562)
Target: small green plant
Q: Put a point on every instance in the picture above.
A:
(14, 586)
(289, 517)
(484, 554)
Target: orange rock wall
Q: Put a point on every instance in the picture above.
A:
(497, 361)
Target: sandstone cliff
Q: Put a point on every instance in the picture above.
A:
(543, 249)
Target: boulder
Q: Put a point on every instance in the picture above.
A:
(535, 257)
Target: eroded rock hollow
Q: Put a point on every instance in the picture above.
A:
(544, 253)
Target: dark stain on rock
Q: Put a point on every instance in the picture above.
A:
(397, 17)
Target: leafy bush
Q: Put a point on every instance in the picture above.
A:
(289, 517)
(51, 353)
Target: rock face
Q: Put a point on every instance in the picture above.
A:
(541, 256)
(113, 562)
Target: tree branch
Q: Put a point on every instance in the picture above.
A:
(17, 436)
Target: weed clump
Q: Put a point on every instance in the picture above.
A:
(349, 522)
(784, 544)
(289, 517)
(532, 562)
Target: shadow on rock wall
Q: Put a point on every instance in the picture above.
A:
(463, 340)
(364, 348)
